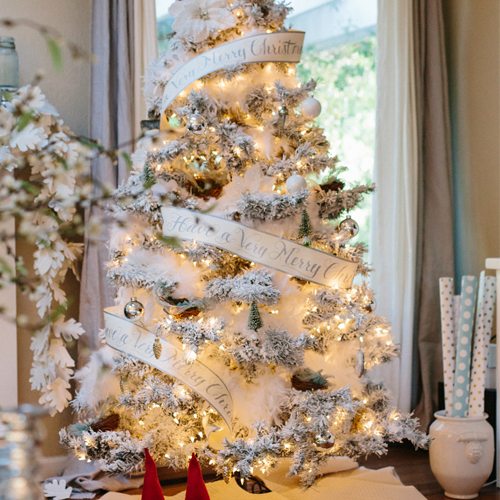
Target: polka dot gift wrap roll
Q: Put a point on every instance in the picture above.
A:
(446, 287)
(461, 383)
(482, 334)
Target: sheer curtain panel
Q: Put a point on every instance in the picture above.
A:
(123, 42)
(394, 228)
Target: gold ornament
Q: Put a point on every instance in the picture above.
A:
(358, 419)
(157, 347)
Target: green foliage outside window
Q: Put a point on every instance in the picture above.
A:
(347, 92)
(163, 32)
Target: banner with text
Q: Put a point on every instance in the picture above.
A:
(135, 340)
(283, 46)
(267, 249)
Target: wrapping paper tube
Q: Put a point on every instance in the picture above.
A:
(456, 313)
(482, 334)
(461, 382)
(446, 287)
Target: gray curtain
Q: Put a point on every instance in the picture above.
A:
(112, 123)
(435, 232)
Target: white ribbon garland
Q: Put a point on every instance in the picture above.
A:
(283, 46)
(136, 340)
(272, 251)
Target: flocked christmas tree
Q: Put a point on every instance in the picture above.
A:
(239, 146)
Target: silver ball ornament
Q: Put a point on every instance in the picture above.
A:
(295, 183)
(310, 107)
(158, 190)
(324, 440)
(196, 123)
(349, 226)
(133, 309)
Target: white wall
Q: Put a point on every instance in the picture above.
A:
(69, 89)
(69, 92)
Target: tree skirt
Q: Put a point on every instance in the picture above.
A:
(358, 484)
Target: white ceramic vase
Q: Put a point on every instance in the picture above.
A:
(461, 453)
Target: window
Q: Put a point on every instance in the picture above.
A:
(339, 54)
(163, 23)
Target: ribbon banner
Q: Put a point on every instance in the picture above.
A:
(135, 340)
(264, 47)
(267, 249)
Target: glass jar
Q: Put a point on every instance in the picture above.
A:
(20, 434)
(9, 64)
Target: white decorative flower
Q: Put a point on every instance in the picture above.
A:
(31, 97)
(6, 122)
(57, 489)
(196, 20)
(6, 157)
(30, 137)
(56, 395)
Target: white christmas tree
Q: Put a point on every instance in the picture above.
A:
(239, 169)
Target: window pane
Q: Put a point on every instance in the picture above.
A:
(163, 23)
(339, 54)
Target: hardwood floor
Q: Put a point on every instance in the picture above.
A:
(412, 467)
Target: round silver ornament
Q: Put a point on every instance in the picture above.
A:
(324, 440)
(196, 123)
(310, 107)
(295, 183)
(158, 190)
(349, 226)
(133, 309)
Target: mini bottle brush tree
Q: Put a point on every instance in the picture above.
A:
(241, 144)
